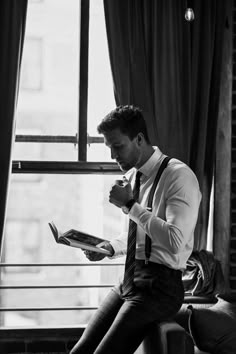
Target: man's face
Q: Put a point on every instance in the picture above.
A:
(125, 151)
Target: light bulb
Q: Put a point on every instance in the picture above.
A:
(189, 14)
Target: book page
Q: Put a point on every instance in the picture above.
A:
(84, 238)
(79, 239)
(85, 246)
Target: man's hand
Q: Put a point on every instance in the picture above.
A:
(95, 256)
(120, 193)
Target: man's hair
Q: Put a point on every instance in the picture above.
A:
(128, 119)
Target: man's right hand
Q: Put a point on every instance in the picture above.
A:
(120, 193)
(95, 256)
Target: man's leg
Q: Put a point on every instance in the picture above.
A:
(158, 297)
(134, 321)
(99, 324)
(120, 325)
(127, 330)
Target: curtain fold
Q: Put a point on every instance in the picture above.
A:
(12, 29)
(171, 69)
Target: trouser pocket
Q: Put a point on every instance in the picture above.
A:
(158, 278)
(143, 278)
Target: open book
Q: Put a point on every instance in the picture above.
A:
(79, 239)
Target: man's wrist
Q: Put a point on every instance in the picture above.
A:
(127, 207)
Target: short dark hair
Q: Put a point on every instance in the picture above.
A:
(128, 119)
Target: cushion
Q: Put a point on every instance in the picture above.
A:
(214, 329)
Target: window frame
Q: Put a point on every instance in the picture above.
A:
(81, 138)
(81, 166)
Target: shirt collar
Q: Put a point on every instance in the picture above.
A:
(151, 164)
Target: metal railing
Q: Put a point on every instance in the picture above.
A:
(56, 286)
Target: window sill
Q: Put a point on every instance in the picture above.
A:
(48, 333)
(64, 167)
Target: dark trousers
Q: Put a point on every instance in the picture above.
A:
(121, 323)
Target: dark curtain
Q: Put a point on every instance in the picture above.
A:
(171, 69)
(12, 28)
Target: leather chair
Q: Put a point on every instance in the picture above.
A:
(168, 338)
(172, 337)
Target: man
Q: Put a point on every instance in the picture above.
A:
(154, 290)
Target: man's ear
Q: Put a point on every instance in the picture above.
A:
(140, 139)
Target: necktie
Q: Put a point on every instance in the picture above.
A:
(131, 246)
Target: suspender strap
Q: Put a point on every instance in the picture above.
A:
(148, 241)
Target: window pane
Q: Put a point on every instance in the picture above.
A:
(48, 96)
(100, 87)
(71, 201)
(46, 151)
(31, 72)
(99, 152)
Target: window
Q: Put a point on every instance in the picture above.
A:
(59, 175)
(67, 74)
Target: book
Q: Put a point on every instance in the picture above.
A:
(79, 239)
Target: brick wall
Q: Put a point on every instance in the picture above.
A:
(39, 340)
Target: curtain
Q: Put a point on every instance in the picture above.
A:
(12, 24)
(171, 69)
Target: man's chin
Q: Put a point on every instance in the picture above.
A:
(123, 167)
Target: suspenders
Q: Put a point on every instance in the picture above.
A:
(148, 242)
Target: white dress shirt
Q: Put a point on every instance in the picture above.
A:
(172, 221)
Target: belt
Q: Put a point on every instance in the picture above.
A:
(158, 266)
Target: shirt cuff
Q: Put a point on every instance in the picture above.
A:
(135, 212)
(118, 247)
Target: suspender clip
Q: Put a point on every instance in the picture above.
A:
(146, 261)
